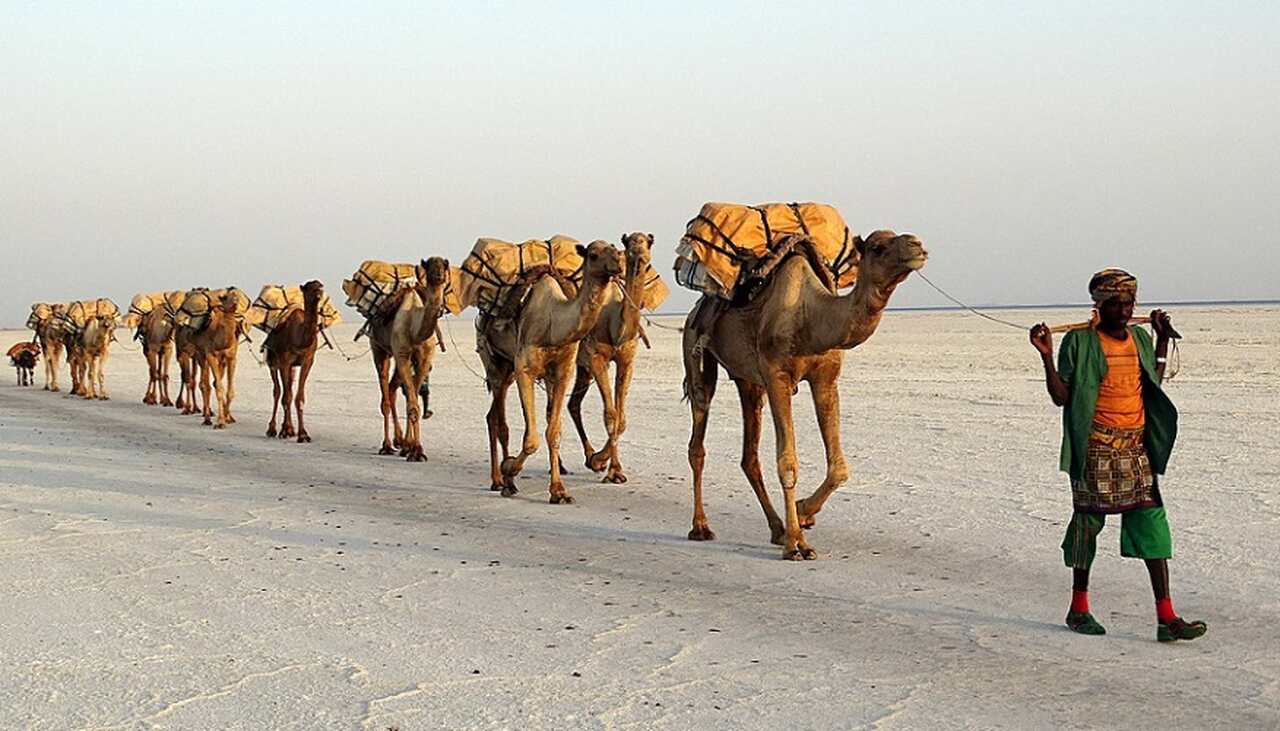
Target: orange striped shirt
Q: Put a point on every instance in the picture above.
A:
(1120, 394)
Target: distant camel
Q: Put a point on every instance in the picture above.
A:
(156, 330)
(292, 344)
(407, 336)
(23, 357)
(216, 347)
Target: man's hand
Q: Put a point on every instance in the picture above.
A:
(1161, 324)
(1042, 339)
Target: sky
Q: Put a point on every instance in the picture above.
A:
(149, 146)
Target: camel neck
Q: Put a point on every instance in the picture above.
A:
(582, 312)
(853, 317)
(634, 289)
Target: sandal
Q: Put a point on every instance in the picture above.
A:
(1084, 623)
(1180, 629)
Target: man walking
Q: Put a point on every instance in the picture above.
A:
(1118, 429)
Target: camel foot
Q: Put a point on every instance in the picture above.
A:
(208, 422)
(220, 426)
(271, 430)
(287, 432)
(148, 401)
(806, 515)
(231, 419)
(777, 534)
(509, 491)
(800, 553)
(561, 498)
(508, 467)
(386, 449)
(104, 397)
(702, 533)
(615, 476)
(416, 455)
(47, 388)
(304, 437)
(495, 486)
(428, 414)
(598, 461)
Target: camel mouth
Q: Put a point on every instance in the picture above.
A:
(917, 262)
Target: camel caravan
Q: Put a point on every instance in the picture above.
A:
(784, 290)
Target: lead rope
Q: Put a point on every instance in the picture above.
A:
(1175, 356)
(647, 320)
(449, 330)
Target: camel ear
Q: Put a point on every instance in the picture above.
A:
(651, 240)
(860, 245)
(582, 250)
(422, 263)
(624, 239)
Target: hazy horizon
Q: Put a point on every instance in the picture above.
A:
(163, 147)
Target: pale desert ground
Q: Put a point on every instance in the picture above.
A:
(158, 574)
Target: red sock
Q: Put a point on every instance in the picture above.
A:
(1164, 611)
(1079, 601)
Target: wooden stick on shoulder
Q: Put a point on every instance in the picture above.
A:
(1083, 325)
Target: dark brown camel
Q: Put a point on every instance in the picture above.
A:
(292, 344)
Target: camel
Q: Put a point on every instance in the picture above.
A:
(407, 337)
(23, 357)
(216, 347)
(613, 340)
(541, 343)
(156, 333)
(75, 362)
(52, 343)
(189, 367)
(292, 344)
(95, 343)
(796, 329)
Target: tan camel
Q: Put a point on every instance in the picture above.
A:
(541, 343)
(407, 338)
(292, 344)
(796, 329)
(189, 367)
(156, 331)
(613, 339)
(76, 362)
(52, 342)
(216, 347)
(95, 343)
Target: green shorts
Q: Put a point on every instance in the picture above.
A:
(1144, 533)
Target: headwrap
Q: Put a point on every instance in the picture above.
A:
(1110, 283)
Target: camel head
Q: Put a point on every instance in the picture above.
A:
(433, 271)
(888, 258)
(638, 248)
(312, 291)
(601, 261)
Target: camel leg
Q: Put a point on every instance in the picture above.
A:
(101, 371)
(581, 383)
(149, 398)
(275, 399)
(752, 398)
(206, 411)
(301, 399)
(89, 378)
(700, 381)
(220, 385)
(600, 374)
(164, 358)
(386, 406)
(826, 402)
(511, 466)
(794, 546)
(230, 371)
(495, 420)
(411, 445)
(286, 398)
(622, 384)
(558, 384)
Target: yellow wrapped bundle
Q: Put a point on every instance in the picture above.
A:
(725, 236)
(373, 287)
(78, 314)
(494, 264)
(143, 304)
(275, 301)
(196, 304)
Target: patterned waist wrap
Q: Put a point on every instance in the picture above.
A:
(1117, 474)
